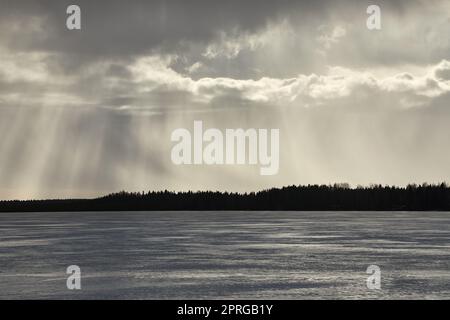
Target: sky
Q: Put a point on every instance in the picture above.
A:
(88, 112)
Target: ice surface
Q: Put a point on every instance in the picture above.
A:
(245, 255)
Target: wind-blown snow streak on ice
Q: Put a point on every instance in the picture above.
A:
(278, 255)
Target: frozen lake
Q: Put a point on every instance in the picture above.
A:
(232, 255)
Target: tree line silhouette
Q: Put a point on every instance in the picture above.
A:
(339, 197)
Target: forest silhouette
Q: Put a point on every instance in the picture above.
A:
(337, 197)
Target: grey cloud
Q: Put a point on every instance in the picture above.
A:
(442, 71)
(112, 29)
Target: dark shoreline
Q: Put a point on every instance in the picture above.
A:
(293, 198)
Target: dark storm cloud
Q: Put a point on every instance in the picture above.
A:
(122, 31)
(113, 27)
